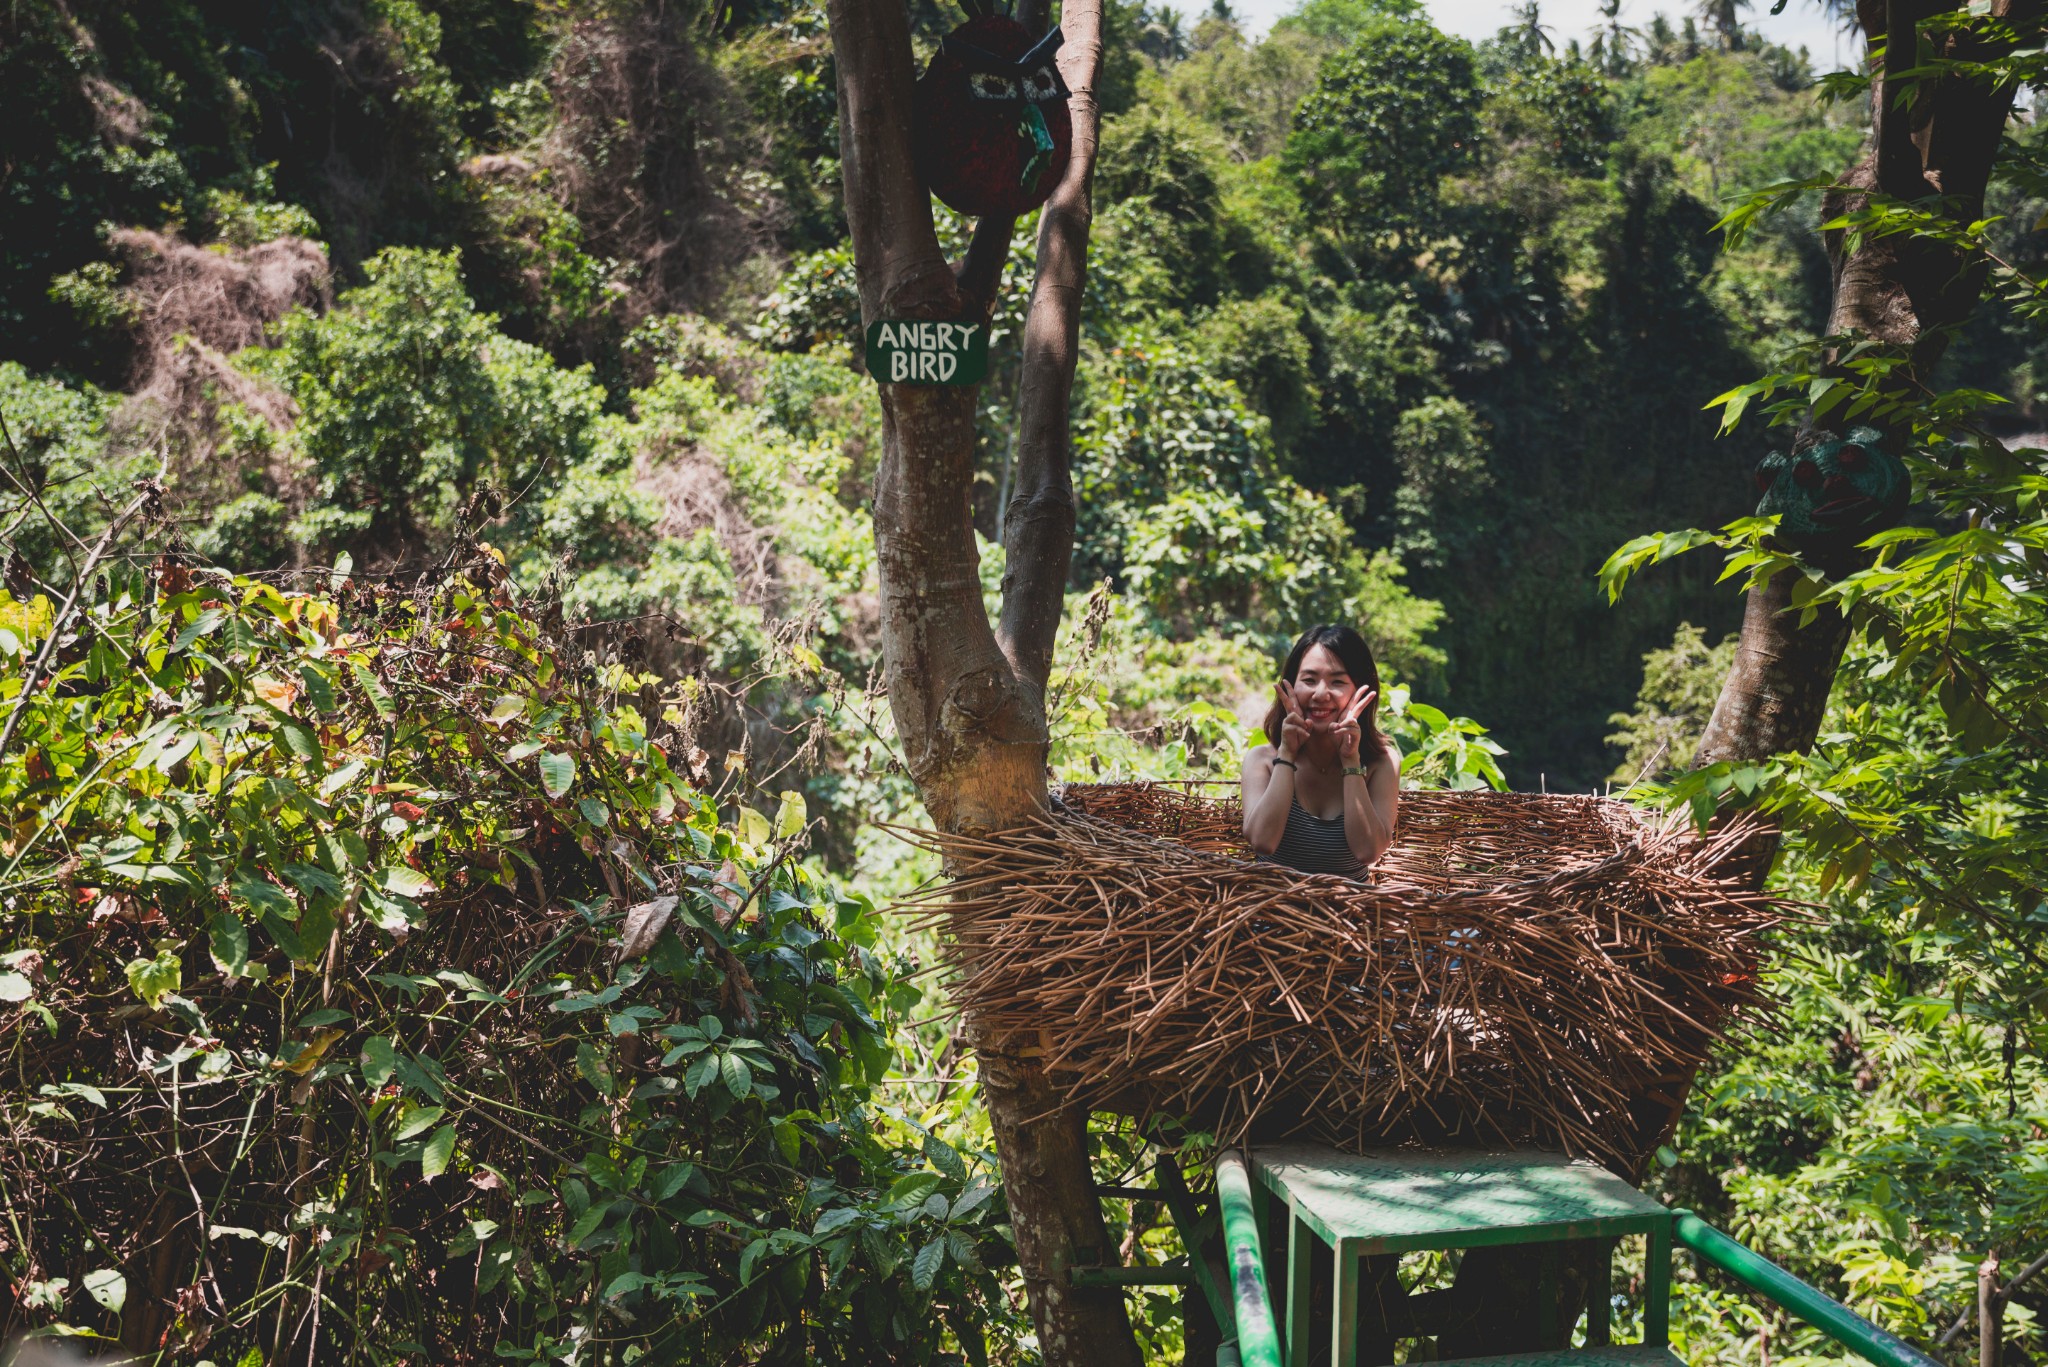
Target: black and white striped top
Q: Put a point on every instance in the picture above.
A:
(1314, 844)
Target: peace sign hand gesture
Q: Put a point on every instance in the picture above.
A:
(1349, 731)
(1294, 731)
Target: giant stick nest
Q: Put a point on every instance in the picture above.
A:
(1520, 969)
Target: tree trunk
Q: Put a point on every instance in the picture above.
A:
(969, 698)
(1901, 290)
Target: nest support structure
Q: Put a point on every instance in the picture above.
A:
(1521, 969)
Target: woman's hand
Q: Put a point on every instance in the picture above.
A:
(1294, 730)
(1349, 731)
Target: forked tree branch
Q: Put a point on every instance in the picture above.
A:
(1038, 533)
(980, 272)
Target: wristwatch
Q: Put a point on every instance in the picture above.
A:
(1358, 769)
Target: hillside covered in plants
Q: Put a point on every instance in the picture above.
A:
(447, 775)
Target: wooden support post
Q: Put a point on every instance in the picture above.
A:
(1600, 1300)
(1344, 1306)
(1657, 1287)
(1301, 1243)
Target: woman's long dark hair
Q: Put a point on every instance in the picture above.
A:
(1356, 656)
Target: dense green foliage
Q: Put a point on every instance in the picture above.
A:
(1889, 1136)
(382, 871)
(1383, 326)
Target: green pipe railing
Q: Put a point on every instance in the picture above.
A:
(1831, 1317)
(1258, 1334)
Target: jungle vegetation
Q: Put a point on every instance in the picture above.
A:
(438, 481)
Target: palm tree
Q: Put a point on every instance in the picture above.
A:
(1528, 31)
(1725, 18)
(1614, 43)
(1161, 35)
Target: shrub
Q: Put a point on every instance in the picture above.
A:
(377, 982)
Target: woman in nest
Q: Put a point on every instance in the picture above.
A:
(1322, 799)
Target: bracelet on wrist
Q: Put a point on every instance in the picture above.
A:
(1283, 763)
(1358, 769)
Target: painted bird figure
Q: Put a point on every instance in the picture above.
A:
(993, 133)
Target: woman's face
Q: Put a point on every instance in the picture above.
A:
(1323, 687)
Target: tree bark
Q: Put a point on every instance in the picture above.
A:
(969, 700)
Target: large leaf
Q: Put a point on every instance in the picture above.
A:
(945, 1158)
(439, 1149)
(925, 1267)
(379, 1060)
(154, 979)
(108, 1287)
(404, 882)
(790, 816)
(229, 940)
(557, 772)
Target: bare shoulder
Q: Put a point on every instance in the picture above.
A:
(1258, 760)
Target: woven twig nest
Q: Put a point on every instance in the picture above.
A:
(1521, 969)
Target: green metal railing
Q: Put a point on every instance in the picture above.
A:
(1258, 1335)
(1765, 1277)
(1258, 1339)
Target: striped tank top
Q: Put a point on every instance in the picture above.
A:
(1314, 844)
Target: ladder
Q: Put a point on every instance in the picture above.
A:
(1352, 1208)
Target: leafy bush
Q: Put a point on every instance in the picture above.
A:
(377, 981)
(1388, 119)
(1680, 686)
(411, 401)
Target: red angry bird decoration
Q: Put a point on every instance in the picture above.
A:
(993, 133)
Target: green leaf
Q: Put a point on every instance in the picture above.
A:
(925, 1267)
(229, 940)
(790, 816)
(417, 1119)
(753, 827)
(154, 979)
(379, 1060)
(81, 1090)
(673, 1179)
(14, 987)
(505, 709)
(739, 1079)
(300, 742)
(261, 896)
(945, 1158)
(109, 1288)
(380, 699)
(973, 1197)
(286, 938)
(401, 881)
(587, 1226)
(440, 1148)
(625, 1283)
(557, 772)
(319, 690)
(314, 882)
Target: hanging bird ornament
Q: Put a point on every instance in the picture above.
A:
(1835, 490)
(993, 134)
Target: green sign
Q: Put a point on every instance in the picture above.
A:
(925, 352)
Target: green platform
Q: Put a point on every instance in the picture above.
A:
(1362, 1205)
(1627, 1355)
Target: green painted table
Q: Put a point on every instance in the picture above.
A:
(1402, 1201)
